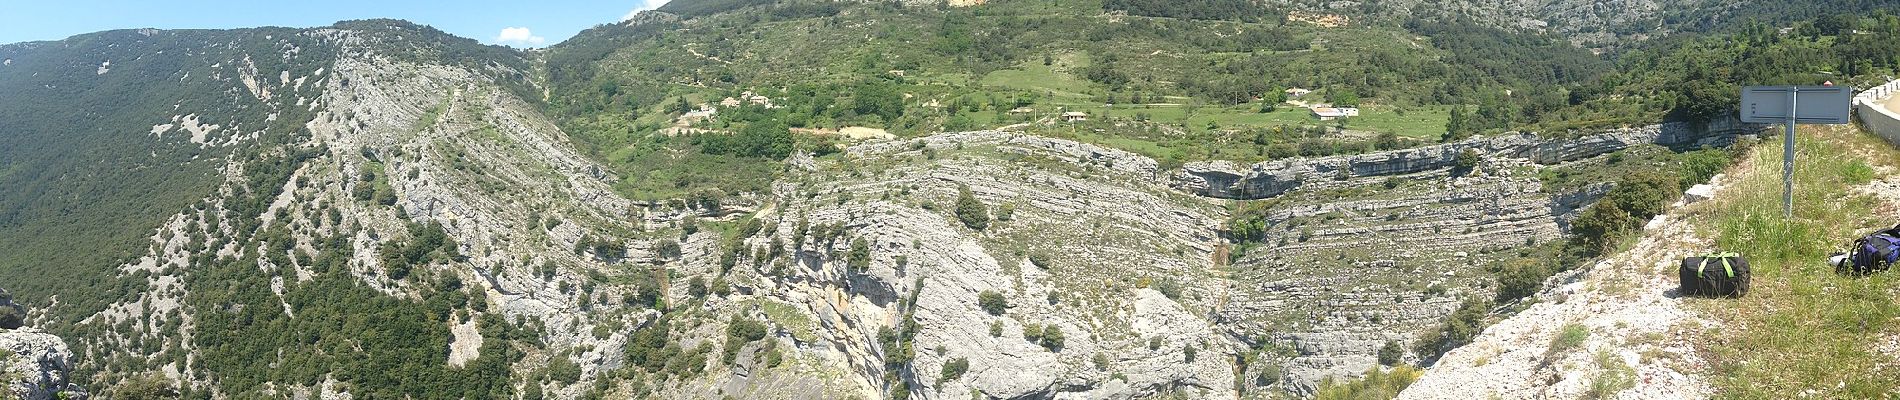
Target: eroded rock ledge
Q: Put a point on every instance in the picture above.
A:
(1228, 180)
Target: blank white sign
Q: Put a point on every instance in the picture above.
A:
(1815, 105)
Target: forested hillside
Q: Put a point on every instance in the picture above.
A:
(82, 156)
(1164, 80)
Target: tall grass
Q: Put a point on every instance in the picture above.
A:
(1802, 327)
(1377, 384)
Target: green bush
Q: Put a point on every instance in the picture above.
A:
(1459, 328)
(668, 248)
(1615, 376)
(1376, 384)
(859, 259)
(1465, 162)
(970, 210)
(738, 333)
(1168, 287)
(900, 390)
(992, 302)
(564, 370)
(1625, 209)
(1520, 278)
(1568, 337)
(146, 387)
(953, 369)
(1052, 338)
(1390, 354)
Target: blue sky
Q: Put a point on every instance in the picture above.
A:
(515, 23)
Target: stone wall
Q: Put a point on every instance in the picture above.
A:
(1874, 116)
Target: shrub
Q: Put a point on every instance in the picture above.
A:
(1189, 352)
(996, 328)
(740, 332)
(1391, 353)
(859, 259)
(147, 387)
(1377, 384)
(1052, 338)
(1569, 337)
(953, 369)
(1269, 374)
(1167, 287)
(1616, 376)
(1458, 330)
(1700, 165)
(970, 210)
(1519, 278)
(564, 370)
(900, 391)
(1465, 162)
(696, 287)
(992, 302)
(668, 249)
(1634, 200)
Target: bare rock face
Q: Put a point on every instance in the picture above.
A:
(1223, 179)
(1080, 230)
(34, 365)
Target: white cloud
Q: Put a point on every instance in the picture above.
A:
(644, 5)
(519, 36)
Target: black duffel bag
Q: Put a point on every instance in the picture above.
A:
(1715, 274)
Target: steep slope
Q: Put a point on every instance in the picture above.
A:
(1615, 330)
(1619, 329)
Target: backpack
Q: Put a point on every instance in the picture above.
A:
(1873, 253)
(1714, 274)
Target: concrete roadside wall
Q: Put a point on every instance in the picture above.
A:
(1874, 116)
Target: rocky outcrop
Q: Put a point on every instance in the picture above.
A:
(1084, 224)
(34, 366)
(1634, 332)
(1222, 179)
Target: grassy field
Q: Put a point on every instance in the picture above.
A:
(1803, 329)
(1055, 81)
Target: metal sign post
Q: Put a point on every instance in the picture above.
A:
(1791, 105)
